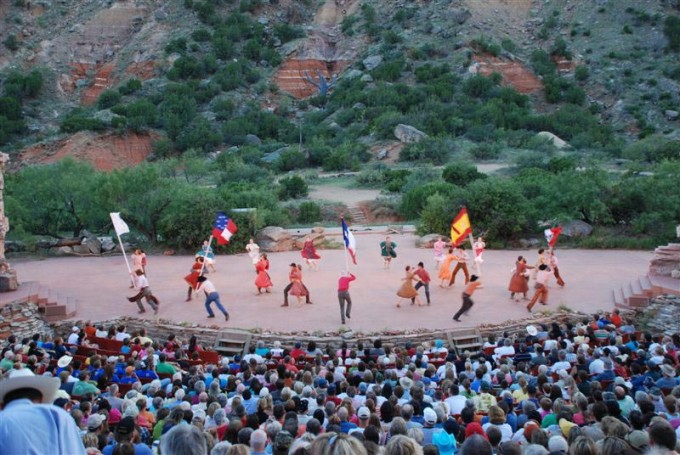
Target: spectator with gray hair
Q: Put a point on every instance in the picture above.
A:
(183, 439)
(258, 442)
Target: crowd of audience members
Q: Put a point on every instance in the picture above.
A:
(596, 387)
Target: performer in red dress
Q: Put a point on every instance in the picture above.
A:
(263, 280)
(192, 277)
(309, 253)
(519, 281)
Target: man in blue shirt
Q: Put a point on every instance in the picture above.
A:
(125, 432)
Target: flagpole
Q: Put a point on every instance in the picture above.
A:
(205, 257)
(478, 266)
(122, 248)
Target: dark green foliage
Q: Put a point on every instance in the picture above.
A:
(671, 28)
(162, 148)
(484, 44)
(292, 188)
(108, 98)
(186, 67)
(413, 202)
(24, 86)
(479, 86)
(461, 173)
(236, 74)
(542, 63)
(265, 125)
(654, 149)
(201, 35)
(199, 134)
(395, 180)
(130, 87)
(249, 6)
(581, 73)
(346, 156)
(11, 42)
(78, 120)
(178, 45)
(224, 47)
(291, 159)
(427, 150)
(489, 151)
(390, 71)
(287, 32)
(310, 212)
(559, 48)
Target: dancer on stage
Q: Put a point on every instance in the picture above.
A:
(296, 287)
(253, 250)
(553, 265)
(207, 253)
(542, 259)
(518, 281)
(387, 251)
(309, 254)
(211, 295)
(407, 290)
(138, 263)
(467, 297)
(192, 277)
(343, 294)
(295, 274)
(263, 280)
(423, 281)
(144, 292)
(541, 287)
(444, 274)
(461, 258)
(439, 248)
(478, 248)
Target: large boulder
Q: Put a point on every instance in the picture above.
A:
(666, 260)
(91, 241)
(274, 238)
(372, 62)
(576, 228)
(556, 141)
(8, 281)
(427, 241)
(408, 134)
(107, 244)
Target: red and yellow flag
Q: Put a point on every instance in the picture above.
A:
(460, 227)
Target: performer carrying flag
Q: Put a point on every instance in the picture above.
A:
(223, 228)
(350, 243)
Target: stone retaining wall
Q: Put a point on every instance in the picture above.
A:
(23, 320)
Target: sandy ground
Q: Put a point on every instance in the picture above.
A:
(99, 286)
(348, 196)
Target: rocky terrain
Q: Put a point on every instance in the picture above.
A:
(84, 47)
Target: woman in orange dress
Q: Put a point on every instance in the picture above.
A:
(445, 269)
(407, 290)
(519, 280)
(192, 277)
(297, 289)
(263, 280)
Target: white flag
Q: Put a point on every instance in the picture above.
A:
(119, 225)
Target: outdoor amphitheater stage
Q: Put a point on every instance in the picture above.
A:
(100, 286)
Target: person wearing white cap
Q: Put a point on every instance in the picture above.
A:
(29, 423)
(73, 337)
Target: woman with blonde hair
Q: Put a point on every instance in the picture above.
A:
(402, 445)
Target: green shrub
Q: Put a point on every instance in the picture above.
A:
(108, 98)
(671, 28)
(292, 188)
(395, 179)
(488, 151)
(291, 159)
(581, 73)
(79, 120)
(310, 212)
(11, 42)
(461, 173)
(653, 149)
(389, 71)
(428, 150)
(542, 63)
(201, 35)
(287, 32)
(130, 87)
(479, 86)
(178, 45)
(162, 148)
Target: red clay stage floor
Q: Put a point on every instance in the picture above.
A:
(100, 286)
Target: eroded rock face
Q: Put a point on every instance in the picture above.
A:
(274, 238)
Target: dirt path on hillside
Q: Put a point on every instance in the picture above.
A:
(348, 196)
